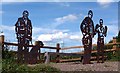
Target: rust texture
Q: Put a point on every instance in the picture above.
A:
(102, 32)
(87, 28)
(23, 28)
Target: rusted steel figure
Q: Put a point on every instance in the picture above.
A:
(87, 28)
(35, 52)
(102, 32)
(23, 28)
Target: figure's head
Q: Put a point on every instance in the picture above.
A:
(39, 43)
(90, 14)
(101, 21)
(25, 14)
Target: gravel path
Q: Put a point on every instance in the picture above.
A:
(78, 66)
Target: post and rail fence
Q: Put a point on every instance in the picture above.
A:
(57, 48)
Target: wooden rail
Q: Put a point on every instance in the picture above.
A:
(69, 54)
(68, 60)
(78, 59)
(74, 47)
(15, 44)
(95, 51)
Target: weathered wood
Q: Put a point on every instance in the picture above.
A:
(15, 44)
(77, 59)
(67, 60)
(74, 47)
(95, 51)
(96, 57)
(57, 51)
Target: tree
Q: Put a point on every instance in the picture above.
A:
(118, 37)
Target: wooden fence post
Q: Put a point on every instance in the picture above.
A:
(114, 43)
(1, 45)
(57, 52)
(2, 41)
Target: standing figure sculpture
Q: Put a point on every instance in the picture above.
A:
(23, 28)
(102, 32)
(87, 28)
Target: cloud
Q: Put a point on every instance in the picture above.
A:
(113, 29)
(64, 4)
(104, 3)
(60, 36)
(12, 0)
(8, 28)
(63, 19)
(39, 33)
(112, 32)
(37, 30)
(75, 37)
(57, 0)
(54, 36)
(1, 12)
(45, 37)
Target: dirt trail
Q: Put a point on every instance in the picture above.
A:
(78, 66)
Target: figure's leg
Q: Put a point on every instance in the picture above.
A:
(19, 54)
(98, 51)
(39, 53)
(86, 58)
(90, 49)
(26, 50)
(102, 50)
(19, 51)
(85, 50)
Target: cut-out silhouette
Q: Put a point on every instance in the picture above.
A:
(23, 28)
(102, 32)
(87, 28)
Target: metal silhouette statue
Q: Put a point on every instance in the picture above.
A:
(35, 52)
(87, 28)
(23, 28)
(102, 32)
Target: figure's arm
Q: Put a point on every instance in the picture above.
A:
(16, 27)
(93, 30)
(105, 31)
(96, 29)
(82, 27)
(30, 31)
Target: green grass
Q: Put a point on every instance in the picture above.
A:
(0, 65)
(9, 65)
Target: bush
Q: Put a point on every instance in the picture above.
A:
(113, 57)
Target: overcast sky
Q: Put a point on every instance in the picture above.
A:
(58, 22)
